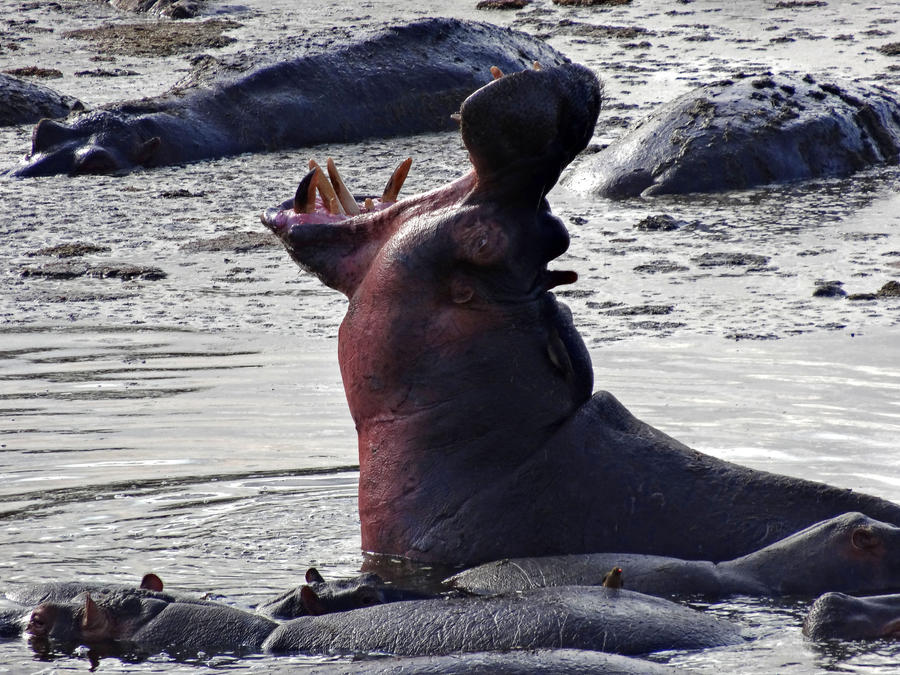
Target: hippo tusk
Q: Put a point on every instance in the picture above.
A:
(305, 197)
(496, 72)
(369, 204)
(329, 197)
(456, 117)
(343, 194)
(392, 189)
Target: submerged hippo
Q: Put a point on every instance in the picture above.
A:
(16, 604)
(737, 134)
(582, 618)
(851, 553)
(479, 437)
(318, 596)
(600, 619)
(404, 80)
(836, 616)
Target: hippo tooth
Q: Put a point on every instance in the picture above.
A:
(305, 197)
(456, 117)
(369, 204)
(392, 189)
(496, 72)
(343, 194)
(329, 198)
(536, 65)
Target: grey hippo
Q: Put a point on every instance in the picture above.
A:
(748, 131)
(838, 616)
(479, 436)
(598, 619)
(402, 80)
(851, 553)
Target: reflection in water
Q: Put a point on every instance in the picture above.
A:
(246, 477)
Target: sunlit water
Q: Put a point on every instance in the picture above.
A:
(195, 425)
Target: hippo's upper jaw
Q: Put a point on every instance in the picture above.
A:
(521, 130)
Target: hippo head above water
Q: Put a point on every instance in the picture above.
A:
(100, 142)
(470, 387)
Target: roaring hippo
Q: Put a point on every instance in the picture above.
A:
(318, 596)
(470, 387)
(601, 619)
(851, 553)
(403, 80)
(737, 134)
(836, 616)
(23, 102)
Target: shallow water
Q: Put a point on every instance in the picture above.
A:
(196, 425)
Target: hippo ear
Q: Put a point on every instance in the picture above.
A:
(48, 133)
(864, 539)
(311, 602)
(151, 582)
(313, 576)
(147, 150)
(92, 615)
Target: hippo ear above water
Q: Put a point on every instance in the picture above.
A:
(151, 582)
(311, 602)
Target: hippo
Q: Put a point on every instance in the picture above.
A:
(837, 616)
(597, 619)
(570, 617)
(23, 102)
(16, 604)
(148, 625)
(471, 391)
(851, 553)
(748, 131)
(402, 80)
(318, 596)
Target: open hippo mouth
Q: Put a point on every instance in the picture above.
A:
(521, 131)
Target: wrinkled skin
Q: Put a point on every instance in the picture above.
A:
(738, 134)
(148, 625)
(836, 616)
(362, 90)
(851, 553)
(17, 603)
(318, 596)
(600, 619)
(470, 388)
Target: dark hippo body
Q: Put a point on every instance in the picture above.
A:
(851, 553)
(836, 616)
(470, 387)
(23, 102)
(318, 596)
(598, 619)
(403, 80)
(741, 133)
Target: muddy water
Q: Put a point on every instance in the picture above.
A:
(194, 425)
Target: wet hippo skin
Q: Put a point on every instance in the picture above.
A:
(470, 388)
